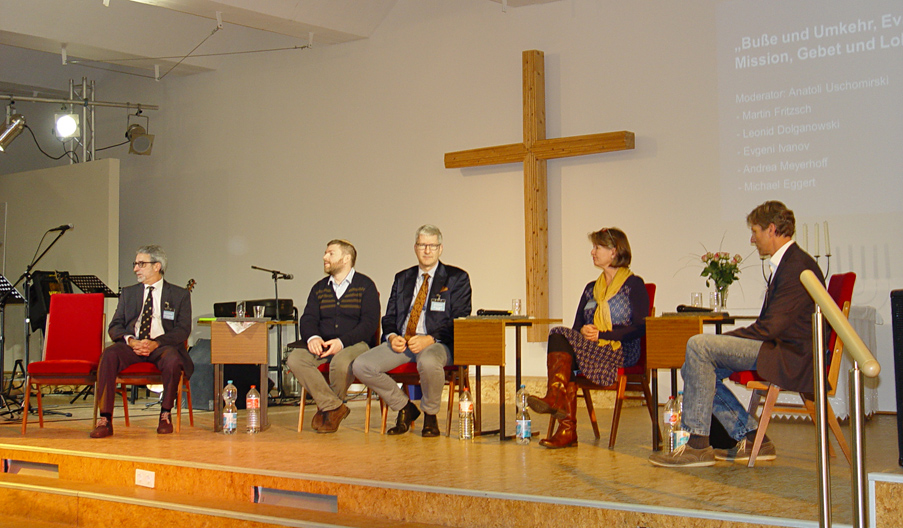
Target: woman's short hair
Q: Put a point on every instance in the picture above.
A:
(156, 254)
(347, 248)
(613, 238)
(773, 212)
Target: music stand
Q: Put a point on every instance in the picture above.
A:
(8, 295)
(92, 284)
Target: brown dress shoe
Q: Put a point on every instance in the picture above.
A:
(559, 366)
(430, 426)
(406, 418)
(317, 420)
(332, 419)
(104, 428)
(165, 425)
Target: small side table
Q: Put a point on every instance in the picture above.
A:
(250, 347)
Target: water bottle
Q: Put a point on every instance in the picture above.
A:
(524, 427)
(252, 404)
(679, 437)
(230, 413)
(465, 416)
(671, 418)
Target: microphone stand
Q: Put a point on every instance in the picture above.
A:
(276, 275)
(27, 287)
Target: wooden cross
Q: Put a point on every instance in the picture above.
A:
(534, 152)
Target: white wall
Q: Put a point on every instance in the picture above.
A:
(85, 195)
(264, 160)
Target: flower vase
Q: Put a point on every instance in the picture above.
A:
(720, 299)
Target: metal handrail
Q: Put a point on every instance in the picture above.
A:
(863, 362)
(851, 340)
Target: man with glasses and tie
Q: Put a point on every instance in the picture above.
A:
(418, 327)
(151, 324)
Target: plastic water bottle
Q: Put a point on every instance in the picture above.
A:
(252, 404)
(671, 419)
(524, 427)
(465, 416)
(230, 413)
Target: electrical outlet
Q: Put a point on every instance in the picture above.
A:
(144, 478)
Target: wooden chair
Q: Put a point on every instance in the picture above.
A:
(634, 379)
(73, 343)
(408, 376)
(149, 374)
(840, 288)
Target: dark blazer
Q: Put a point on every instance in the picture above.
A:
(175, 331)
(450, 284)
(785, 325)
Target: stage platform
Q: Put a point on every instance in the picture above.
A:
(357, 479)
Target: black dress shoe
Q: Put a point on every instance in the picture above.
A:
(430, 425)
(406, 417)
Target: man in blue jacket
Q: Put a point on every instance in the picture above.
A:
(418, 327)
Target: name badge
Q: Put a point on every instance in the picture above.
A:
(591, 304)
(437, 305)
(169, 315)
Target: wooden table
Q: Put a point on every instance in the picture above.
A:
(481, 341)
(666, 347)
(251, 347)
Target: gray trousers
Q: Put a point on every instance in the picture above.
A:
(329, 396)
(371, 367)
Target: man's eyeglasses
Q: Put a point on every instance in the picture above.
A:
(140, 264)
(432, 247)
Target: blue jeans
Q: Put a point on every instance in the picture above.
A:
(710, 359)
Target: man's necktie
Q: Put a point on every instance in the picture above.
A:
(147, 314)
(411, 329)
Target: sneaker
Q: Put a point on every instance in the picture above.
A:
(104, 428)
(165, 424)
(684, 456)
(742, 451)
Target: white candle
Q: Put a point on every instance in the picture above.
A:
(817, 252)
(827, 240)
(806, 238)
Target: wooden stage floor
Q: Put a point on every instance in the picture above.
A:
(778, 493)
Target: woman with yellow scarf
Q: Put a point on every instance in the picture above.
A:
(611, 319)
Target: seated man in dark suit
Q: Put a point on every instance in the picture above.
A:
(151, 324)
(778, 345)
(418, 327)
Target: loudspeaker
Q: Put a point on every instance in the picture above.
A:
(896, 308)
(202, 379)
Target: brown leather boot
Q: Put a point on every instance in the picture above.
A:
(560, 365)
(566, 435)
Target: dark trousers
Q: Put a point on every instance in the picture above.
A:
(118, 356)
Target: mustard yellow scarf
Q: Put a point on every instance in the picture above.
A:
(603, 291)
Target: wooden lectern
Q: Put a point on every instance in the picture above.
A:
(250, 347)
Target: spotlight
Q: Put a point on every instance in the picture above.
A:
(140, 142)
(13, 127)
(66, 125)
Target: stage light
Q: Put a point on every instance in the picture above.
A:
(66, 125)
(13, 127)
(140, 142)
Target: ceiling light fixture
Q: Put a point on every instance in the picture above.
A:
(140, 142)
(11, 129)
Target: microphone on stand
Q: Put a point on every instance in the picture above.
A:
(287, 276)
(64, 227)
